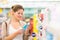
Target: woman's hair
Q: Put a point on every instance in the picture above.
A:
(16, 7)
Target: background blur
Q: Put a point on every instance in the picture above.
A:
(51, 9)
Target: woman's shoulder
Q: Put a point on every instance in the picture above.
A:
(6, 22)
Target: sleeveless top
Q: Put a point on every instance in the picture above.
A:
(12, 30)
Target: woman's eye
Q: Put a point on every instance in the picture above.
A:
(21, 13)
(18, 13)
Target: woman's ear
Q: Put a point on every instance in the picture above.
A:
(12, 12)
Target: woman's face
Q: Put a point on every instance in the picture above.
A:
(19, 14)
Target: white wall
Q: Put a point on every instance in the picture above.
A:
(28, 3)
(55, 20)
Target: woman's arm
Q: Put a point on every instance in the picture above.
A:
(13, 35)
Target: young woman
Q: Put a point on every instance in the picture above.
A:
(12, 29)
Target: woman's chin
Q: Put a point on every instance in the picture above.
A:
(19, 19)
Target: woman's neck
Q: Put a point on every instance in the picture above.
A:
(14, 20)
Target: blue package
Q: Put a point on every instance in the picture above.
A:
(49, 35)
(25, 26)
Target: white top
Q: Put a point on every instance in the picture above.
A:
(12, 30)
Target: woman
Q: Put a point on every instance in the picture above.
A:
(12, 29)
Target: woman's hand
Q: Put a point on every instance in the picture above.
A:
(20, 31)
